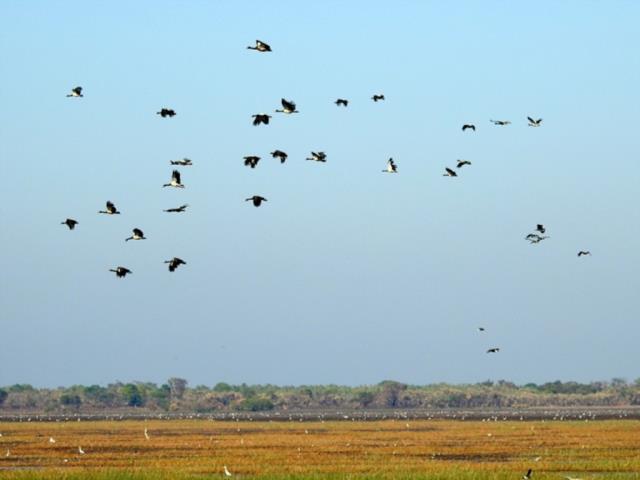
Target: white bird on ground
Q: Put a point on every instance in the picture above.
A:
(52, 440)
(81, 451)
(8, 453)
(146, 434)
(227, 473)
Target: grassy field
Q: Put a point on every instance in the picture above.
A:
(437, 449)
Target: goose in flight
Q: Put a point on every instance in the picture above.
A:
(166, 112)
(527, 476)
(481, 329)
(493, 350)
(179, 209)
(279, 154)
(287, 106)
(257, 200)
(175, 180)
(76, 92)
(342, 101)
(120, 272)
(318, 157)
(377, 97)
(137, 235)
(111, 209)
(391, 167)
(251, 161)
(540, 228)
(70, 222)
(468, 126)
(260, 47)
(449, 173)
(535, 238)
(227, 473)
(462, 163)
(500, 122)
(584, 252)
(259, 118)
(185, 162)
(534, 123)
(174, 263)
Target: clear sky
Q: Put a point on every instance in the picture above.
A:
(346, 275)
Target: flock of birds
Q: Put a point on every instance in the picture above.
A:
(289, 107)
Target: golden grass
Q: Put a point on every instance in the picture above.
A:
(441, 449)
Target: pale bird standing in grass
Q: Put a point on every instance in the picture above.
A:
(227, 473)
(81, 451)
(8, 453)
(146, 434)
(52, 440)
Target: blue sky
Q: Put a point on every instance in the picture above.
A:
(346, 275)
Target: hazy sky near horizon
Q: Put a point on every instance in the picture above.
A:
(346, 275)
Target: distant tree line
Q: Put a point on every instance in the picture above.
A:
(176, 396)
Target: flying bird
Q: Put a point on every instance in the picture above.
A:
(227, 473)
(175, 180)
(540, 228)
(179, 209)
(251, 161)
(137, 235)
(391, 167)
(584, 252)
(318, 156)
(342, 101)
(500, 122)
(174, 263)
(111, 209)
(527, 476)
(259, 118)
(534, 123)
(76, 92)
(535, 238)
(120, 272)
(261, 47)
(481, 329)
(450, 173)
(377, 97)
(468, 125)
(185, 162)
(279, 154)
(462, 163)
(70, 222)
(166, 112)
(287, 106)
(493, 350)
(257, 200)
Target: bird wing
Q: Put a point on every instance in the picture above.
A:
(288, 105)
(138, 233)
(176, 176)
(256, 119)
(531, 120)
(449, 171)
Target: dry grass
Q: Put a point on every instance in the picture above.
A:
(438, 449)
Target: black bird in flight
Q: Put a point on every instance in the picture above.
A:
(261, 47)
(527, 476)
(174, 263)
(375, 98)
(342, 101)
(76, 92)
(468, 125)
(318, 156)
(259, 118)
(166, 112)
(462, 163)
(287, 106)
(481, 329)
(391, 167)
(70, 222)
(137, 235)
(279, 154)
(500, 122)
(175, 180)
(257, 200)
(179, 209)
(111, 209)
(120, 272)
(534, 123)
(251, 161)
(535, 238)
(584, 252)
(185, 162)
(493, 350)
(450, 173)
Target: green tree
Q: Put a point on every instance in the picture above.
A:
(3, 396)
(132, 395)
